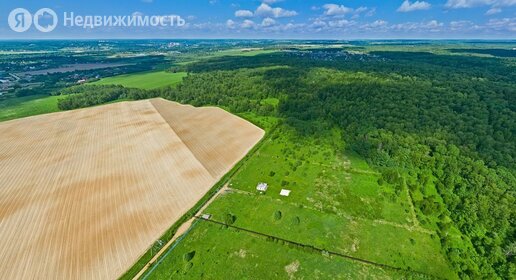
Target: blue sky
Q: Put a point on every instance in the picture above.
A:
(284, 19)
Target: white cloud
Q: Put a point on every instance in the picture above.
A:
(341, 23)
(336, 10)
(493, 11)
(230, 24)
(429, 26)
(266, 22)
(502, 24)
(271, 1)
(406, 6)
(462, 25)
(361, 10)
(378, 23)
(457, 4)
(433, 24)
(244, 13)
(247, 24)
(493, 26)
(318, 24)
(147, 1)
(376, 26)
(371, 12)
(264, 10)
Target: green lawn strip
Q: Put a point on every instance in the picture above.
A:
(146, 80)
(361, 238)
(20, 107)
(212, 251)
(151, 252)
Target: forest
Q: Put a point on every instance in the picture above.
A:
(426, 121)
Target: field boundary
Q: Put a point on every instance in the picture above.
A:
(144, 260)
(160, 258)
(316, 249)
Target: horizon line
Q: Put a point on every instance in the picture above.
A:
(266, 39)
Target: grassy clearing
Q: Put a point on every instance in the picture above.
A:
(320, 176)
(20, 107)
(337, 203)
(210, 252)
(362, 238)
(148, 80)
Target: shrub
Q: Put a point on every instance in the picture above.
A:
(278, 215)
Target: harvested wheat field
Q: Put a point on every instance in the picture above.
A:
(84, 193)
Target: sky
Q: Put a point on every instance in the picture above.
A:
(278, 19)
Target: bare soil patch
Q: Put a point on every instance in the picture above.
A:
(84, 193)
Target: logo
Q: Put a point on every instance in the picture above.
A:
(20, 20)
(45, 14)
(45, 20)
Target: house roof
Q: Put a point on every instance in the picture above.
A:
(285, 192)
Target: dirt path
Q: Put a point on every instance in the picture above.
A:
(185, 226)
(180, 231)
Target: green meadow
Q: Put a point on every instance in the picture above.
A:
(215, 252)
(148, 80)
(338, 203)
(20, 107)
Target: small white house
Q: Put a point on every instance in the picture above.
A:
(285, 192)
(262, 187)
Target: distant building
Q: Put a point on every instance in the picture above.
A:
(262, 187)
(285, 192)
(82, 81)
(206, 216)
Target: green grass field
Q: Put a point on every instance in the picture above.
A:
(148, 80)
(337, 204)
(216, 252)
(372, 240)
(321, 177)
(20, 107)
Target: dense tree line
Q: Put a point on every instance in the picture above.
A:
(222, 88)
(90, 95)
